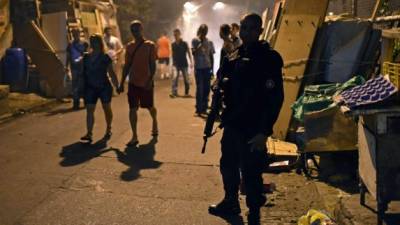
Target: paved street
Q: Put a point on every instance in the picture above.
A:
(48, 177)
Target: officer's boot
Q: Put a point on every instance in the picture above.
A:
(253, 217)
(228, 206)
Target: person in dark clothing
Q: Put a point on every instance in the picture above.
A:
(228, 46)
(97, 65)
(203, 54)
(234, 34)
(180, 52)
(253, 96)
(75, 51)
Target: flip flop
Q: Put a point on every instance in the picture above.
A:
(87, 138)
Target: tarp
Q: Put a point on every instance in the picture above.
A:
(318, 98)
(343, 48)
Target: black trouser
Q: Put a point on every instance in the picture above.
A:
(77, 84)
(236, 157)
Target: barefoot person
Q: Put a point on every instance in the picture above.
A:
(96, 65)
(140, 65)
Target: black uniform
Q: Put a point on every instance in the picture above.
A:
(253, 96)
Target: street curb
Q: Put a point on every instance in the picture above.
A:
(34, 108)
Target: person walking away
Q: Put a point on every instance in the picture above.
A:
(97, 65)
(75, 51)
(180, 52)
(203, 52)
(235, 35)
(114, 47)
(163, 54)
(253, 96)
(140, 65)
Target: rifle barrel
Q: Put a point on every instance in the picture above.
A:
(203, 150)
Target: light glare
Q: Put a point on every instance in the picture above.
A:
(219, 6)
(190, 7)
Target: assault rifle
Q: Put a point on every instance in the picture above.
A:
(216, 104)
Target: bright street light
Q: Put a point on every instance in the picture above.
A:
(190, 7)
(219, 6)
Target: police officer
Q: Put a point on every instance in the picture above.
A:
(253, 95)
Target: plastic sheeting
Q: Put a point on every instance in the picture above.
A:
(342, 49)
(319, 98)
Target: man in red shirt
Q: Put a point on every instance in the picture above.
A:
(140, 65)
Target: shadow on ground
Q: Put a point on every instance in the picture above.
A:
(339, 170)
(137, 159)
(78, 153)
(232, 220)
(62, 111)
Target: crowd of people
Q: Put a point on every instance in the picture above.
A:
(198, 57)
(250, 75)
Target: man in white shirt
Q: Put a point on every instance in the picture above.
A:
(114, 48)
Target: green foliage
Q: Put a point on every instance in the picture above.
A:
(384, 8)
(129, 10)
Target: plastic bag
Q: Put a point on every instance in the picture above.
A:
(315, 217)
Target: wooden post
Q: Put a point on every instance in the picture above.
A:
(376, 8)
(355, 8)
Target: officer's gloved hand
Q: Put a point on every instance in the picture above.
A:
(258, 143)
